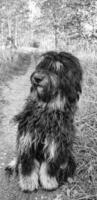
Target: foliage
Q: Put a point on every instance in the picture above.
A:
(67, 19)
(58, 21)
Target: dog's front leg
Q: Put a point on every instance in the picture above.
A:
(49, 167)
(47, 181)
(59, 164)
(28, 166)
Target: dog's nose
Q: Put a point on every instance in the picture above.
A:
(37, 78)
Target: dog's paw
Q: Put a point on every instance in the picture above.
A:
(29, 182)
(11, 167)
(47, 182)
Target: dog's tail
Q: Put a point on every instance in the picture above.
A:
(12, 168)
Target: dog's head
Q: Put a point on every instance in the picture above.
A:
(57, 79)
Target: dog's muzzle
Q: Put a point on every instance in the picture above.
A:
(37, 78)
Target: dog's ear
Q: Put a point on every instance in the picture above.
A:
(31, 78)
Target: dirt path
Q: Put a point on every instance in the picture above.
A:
(14, 96)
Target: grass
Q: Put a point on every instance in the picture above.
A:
(84, 185)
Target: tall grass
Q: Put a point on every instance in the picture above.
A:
(85, 183)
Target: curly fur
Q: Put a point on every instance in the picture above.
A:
(46, 130)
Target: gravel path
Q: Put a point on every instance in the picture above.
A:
(14, 95)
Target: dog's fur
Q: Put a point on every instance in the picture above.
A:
(46, 130)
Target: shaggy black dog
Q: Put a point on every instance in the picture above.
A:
(46, 130)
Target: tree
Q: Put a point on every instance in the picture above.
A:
(13, 14)
(61, 20)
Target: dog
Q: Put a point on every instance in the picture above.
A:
(46, 130)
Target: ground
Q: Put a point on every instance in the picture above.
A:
(12, 99)
(14, 89)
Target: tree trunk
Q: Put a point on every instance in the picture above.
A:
(9, 27)
(2, 34)
(55, 26)
(56, 38)
(16, 32)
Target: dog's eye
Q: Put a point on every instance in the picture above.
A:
(37, 79)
